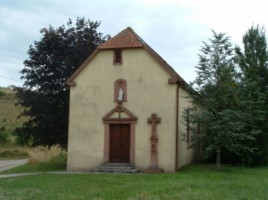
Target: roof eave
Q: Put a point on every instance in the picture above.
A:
(70, 80)
(175, 77)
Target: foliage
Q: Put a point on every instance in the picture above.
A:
(2, 94)
(193, 182)
(44, 94)
(253, 62)
(3, 135)
(22, 136)
(221, 107)
(10, 152)
(8, 116)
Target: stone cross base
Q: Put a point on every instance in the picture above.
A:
(152, 171)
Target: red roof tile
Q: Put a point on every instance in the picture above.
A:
(125, 39)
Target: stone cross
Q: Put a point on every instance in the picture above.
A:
(154, 120)
(120, 110)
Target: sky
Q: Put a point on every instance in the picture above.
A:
(175, 29)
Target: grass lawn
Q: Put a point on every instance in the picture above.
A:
(198, 181)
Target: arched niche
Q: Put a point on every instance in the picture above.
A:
(120, 90)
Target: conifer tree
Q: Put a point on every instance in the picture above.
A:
(219, 106)
(253, 62)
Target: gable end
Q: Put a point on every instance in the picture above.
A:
(124, 40)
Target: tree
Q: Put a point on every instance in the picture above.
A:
(253, 62)
(219, 103)
(45, 95)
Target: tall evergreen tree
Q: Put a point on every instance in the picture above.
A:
(44, 94)
(218, 106)
(253, 62)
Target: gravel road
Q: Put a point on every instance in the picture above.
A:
(8, 164)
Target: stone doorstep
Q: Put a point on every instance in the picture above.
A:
(118, 164)
(152, 171)
(116, 168)
(97, 171)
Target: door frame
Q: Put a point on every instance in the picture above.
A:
(132, 124)
(109, 119)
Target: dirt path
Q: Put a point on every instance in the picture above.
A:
(8, 164)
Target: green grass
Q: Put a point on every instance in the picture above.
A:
(197, 181)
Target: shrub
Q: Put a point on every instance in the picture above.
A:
(3, 135)
(21, 137)
(43, 154)
(2, 94)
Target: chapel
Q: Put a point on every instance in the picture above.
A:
(126, 106)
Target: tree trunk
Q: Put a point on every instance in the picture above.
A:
(218, 158)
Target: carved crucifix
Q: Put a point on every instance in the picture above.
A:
(154, 120)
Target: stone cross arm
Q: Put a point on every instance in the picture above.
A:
(154, 119)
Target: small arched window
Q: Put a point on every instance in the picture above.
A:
(120, 90)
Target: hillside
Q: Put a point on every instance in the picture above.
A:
(8, 111)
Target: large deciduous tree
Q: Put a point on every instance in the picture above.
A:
(45, 95)
(220, 108)
(253, 62)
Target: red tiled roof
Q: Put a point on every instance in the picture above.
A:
(125, 39)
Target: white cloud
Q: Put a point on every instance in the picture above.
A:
(174, 28)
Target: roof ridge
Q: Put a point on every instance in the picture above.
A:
(127, 38)
(136, 35)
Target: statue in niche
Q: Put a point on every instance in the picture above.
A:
(120, 91)
(120, 95)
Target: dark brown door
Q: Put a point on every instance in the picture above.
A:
(119, 143)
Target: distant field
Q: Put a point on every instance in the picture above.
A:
(8, 111)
